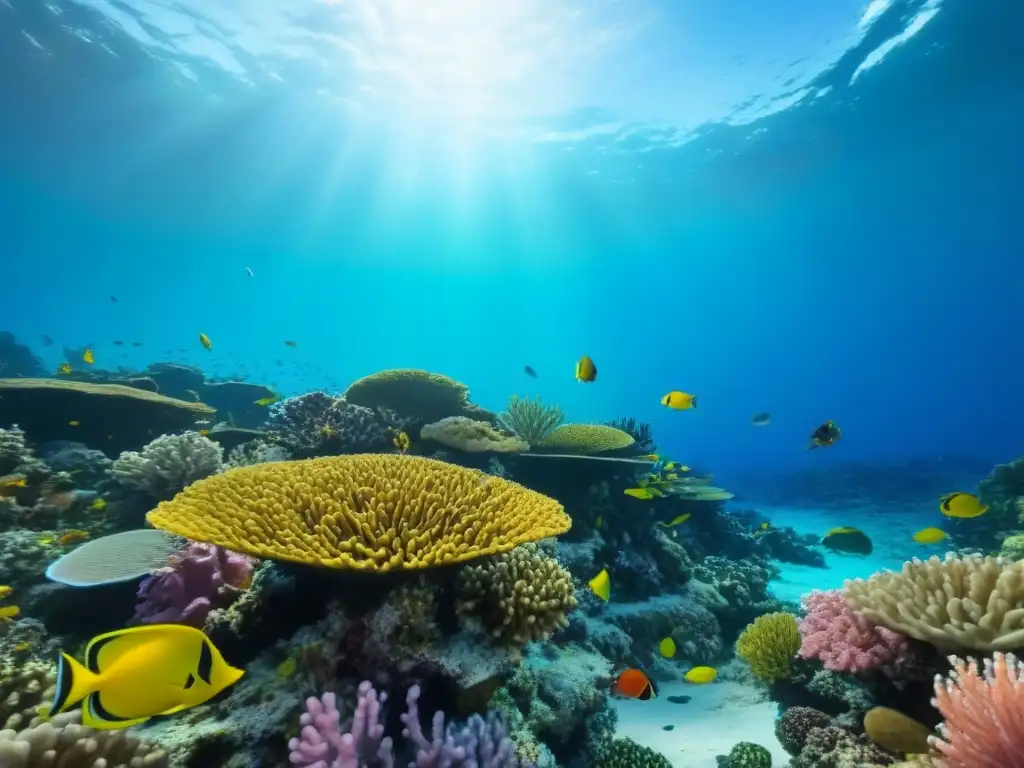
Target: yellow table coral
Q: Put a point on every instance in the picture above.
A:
(369, 512)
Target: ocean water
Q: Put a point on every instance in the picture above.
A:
(802, 208)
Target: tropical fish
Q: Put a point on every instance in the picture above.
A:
(962, 505)
(586, 371)
(529, 372)
(13, 481)
(679, 401)
(763, 528)
(287, 668)
(6, 591)
(88, 357)
(667, 647)
(74, 423)
(97, 505)
(249, 271)
(825, 435)
(651, 457)
(761, 419)
(72, 537)
(22, 646)
(204, 432)
(848, 539)
(701, 675)
(634, 684)
(113, 299)
(929, 535)
(268, 400)
(205, 341)
(64, 369)
(602, 585)
(640, 493)
(598, 522)
(132, 674)
(118, 343)
(401, 441)
(46, 540)
(9, 612)
(291, 343)
(677, 520)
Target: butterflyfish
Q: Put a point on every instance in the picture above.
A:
(97, 505)
(602, 585)
(848, 539)
(6, 591)
(205, 341)
(132, 674)
(87, 357)
(701, 675)
(962, 505)
(63, 369)
(667, 647)
(586, 371)
(679, 401)
(268, 400)
(9, 612)
(930, 535)
(634, 684)
(825, 435)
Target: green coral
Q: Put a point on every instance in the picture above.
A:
(1013, 548)
(748, 755)
(530, 418)
(586, 439)
(769, 645)
(626, 753)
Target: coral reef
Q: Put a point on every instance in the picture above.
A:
(166, 465)
(516, 597)
(255, 452)
(472, 436)
(317, 424)
(747, 755)
(769, 644)
(895, 732)
(793, 726)
(530, 419)
(845, 641)
(24, 685)
(643, 436)
(199, 578)
(415, 394)
(834, 747)
(368, 512)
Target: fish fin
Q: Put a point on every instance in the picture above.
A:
(74, 683)
(94, 715)
(174, 710)
(693, 402)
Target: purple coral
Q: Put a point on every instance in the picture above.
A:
(481, 743)
(845, 641)
(199, 577)
(317, 424)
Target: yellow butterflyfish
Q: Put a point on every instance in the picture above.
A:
(602, 585)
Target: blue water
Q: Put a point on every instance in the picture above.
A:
(803, 208)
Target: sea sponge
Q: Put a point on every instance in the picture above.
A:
(969, 602)
(626, 753)
(769, 645)
(369, 512)
(586, 438)
(746, 754)
(63, 741)
(472, 436)
(411, 392)
(23, 687)
(895, 732)
(517, 597)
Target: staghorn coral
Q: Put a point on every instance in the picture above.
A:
(471, 436)
(167, 465)
(24, 685)
(516, 597)
(376, 512)
(970, 602)
(793, 726)
(198, 578)
(64, 743)
(842, 640)
(317, 424)
(769, 645)
(586, 439)
(529, 418)
(626, 753)
(984, 714)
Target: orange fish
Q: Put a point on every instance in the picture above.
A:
(586, 370)
(634, 684)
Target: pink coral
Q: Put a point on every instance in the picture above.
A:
(845, 641)
(984, 714)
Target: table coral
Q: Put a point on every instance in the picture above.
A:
(372, 512)
(845, 641)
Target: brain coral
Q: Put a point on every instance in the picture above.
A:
(587, 438)
(411, 392)
(369, 512)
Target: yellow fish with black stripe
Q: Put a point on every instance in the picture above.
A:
(132, 674)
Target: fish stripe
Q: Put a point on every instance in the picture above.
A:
(64, 682)
(190, 681)
(205, 663)
(92, 657)
(99, 712)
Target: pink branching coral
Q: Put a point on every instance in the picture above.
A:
(845, 641)
(984, 714)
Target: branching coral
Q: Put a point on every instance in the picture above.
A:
(62, 741)
(167, 465)
(472, 436)
(769, 645)
(529, 418)
(199, 578)
(255, 452)
(370, 512)
(517, 597)
(970, 602)
(842, 640)
(984, 714)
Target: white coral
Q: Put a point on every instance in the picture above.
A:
(168, 464)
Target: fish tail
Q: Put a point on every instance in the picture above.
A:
(693, 402)
(74, 683)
